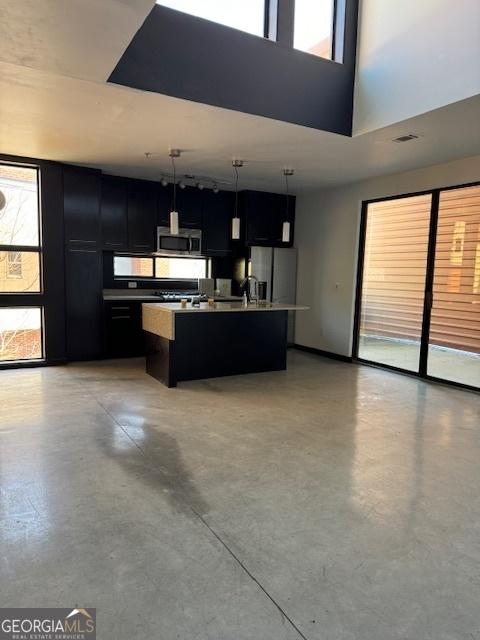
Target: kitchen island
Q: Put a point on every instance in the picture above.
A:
(190, 343)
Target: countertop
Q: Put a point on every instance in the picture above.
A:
(176, 307)
(159, 318)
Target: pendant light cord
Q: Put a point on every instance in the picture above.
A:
(287, 194)
(174, 186)
(236, 191)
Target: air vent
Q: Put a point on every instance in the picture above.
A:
(406, 138)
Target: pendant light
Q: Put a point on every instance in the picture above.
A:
(174, 227)
(236, 164)
(286, 222)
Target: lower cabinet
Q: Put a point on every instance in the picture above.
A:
(124, 336)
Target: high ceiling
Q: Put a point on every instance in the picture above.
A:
(55, 104)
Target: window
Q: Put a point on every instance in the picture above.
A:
(133, 267)
(19, 230)
(180, 268)
(159, 268)
(20, 334)
(313, 27)
(21, 327)
(247, 15)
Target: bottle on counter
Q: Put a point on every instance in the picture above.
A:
(245, 299)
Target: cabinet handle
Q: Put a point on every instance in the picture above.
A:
(83, 241)
(114, 244)
(121, 308)
(120, 317)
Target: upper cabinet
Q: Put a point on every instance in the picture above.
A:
(81, 189)
(189, 207)
(114, 214)
(217, 216)
(188, 203)
(164, 205)
(264, 214)
(131, 210)
(142, 215)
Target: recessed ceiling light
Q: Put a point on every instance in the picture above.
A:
(406, 138)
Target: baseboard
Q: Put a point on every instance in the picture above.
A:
(324, 354)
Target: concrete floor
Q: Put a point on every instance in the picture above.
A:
(331, 501)
(447, 364)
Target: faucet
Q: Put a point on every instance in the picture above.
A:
(247, 281)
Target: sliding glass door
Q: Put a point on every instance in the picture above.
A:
(418, 302)
(393, 289)
(454, 339)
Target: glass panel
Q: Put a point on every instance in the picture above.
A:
(313, 27)
(19, 216)
(21, 334)
(133, 267)
(247, 15)
(180, 268)
(19, 272)
(393, 293)
(454, 349)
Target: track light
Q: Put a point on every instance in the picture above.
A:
(182, 185)
(200, 186)
(215, 188)
(164, 182)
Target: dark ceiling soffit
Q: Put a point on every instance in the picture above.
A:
(186, 57)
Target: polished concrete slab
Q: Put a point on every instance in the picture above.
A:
(328, 501)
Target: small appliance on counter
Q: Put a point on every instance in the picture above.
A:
(224, 287)
(206, 286)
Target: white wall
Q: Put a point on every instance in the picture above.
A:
(326, 233)
(414, 56)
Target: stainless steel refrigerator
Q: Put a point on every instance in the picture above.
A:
(278, 268)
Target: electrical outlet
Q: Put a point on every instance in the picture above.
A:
(132, 285)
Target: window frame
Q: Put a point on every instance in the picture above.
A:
(21, 248)
(154, 277)
(279, 26)
(28, 299)
(428, 299)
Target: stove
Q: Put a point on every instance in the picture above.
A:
(177, 296)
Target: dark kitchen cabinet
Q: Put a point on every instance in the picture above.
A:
(83, 303)
(81, 191)
(83, 263)
(217, 219)
(142, 215)
(264, 214)
(189, 207)
(113, 216)
(164, 205)
(124, 336)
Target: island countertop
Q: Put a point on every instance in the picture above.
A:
(159, 318)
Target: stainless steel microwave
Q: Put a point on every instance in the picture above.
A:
(188, 242)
